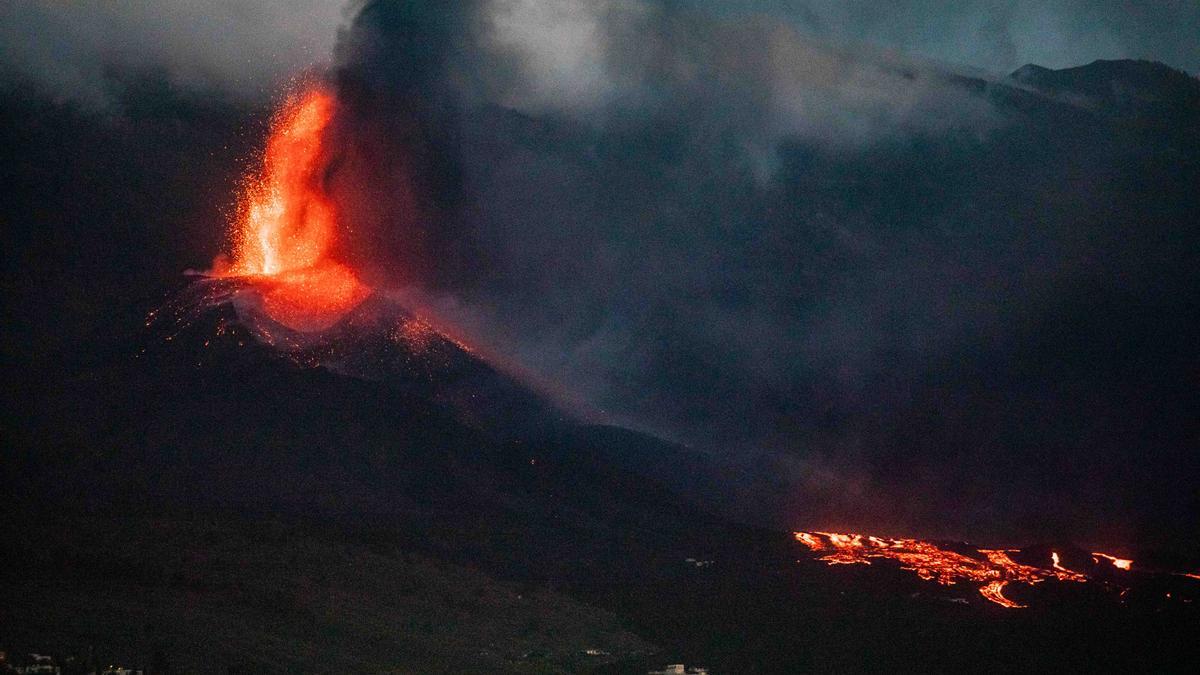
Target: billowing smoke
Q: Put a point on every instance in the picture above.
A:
(730, 232)
(598, 190)
(594, 185)
(74, 49)
(896, 297)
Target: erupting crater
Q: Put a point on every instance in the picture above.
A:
(286, 224)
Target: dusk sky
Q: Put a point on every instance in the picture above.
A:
(252, 46)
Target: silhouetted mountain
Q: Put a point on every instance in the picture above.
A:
(188, 467)
(1143, 90)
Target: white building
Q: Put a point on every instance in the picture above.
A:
(680, 669)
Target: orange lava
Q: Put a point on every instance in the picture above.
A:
(994, 591)
(286, 224)
(313, 298)
(993, 571)
(1119, 563)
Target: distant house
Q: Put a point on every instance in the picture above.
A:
(679, 669)
(40, 664)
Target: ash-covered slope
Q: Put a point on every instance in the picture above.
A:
(194, 485)
(379, 415)
(166, 484)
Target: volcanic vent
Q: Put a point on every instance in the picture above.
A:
(286, 225)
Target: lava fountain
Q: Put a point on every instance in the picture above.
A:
(286, 223)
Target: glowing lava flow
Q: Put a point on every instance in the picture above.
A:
(993, 572)
(286, 224)
(1119, 563)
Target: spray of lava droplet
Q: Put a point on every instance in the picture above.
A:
(1119, 563)
(286, 223)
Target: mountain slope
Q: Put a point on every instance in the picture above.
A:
(1145, 90)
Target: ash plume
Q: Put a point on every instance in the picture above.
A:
(885, 289)
(819, 260)
(573, 203)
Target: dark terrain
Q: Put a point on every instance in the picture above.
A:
(212, 500)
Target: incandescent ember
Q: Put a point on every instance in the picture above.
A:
(286, 224)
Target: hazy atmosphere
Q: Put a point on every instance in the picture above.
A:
(438, 276)
(702, 220)
(250, 46)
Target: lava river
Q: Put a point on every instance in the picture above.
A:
(991, 570)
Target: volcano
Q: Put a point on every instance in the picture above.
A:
(286, 469)
(207, 524)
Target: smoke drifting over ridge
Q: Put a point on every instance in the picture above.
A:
(588, 208)
(742, 237)
(250, 46)
(938, 307)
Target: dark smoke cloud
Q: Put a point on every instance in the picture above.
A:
(605, 211)
(760, 228)
(844, 268)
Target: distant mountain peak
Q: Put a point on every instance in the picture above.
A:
(1030, 72)
(1121, 88)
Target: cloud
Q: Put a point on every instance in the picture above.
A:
(597, 61)
(247, 47)
(563, 48)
